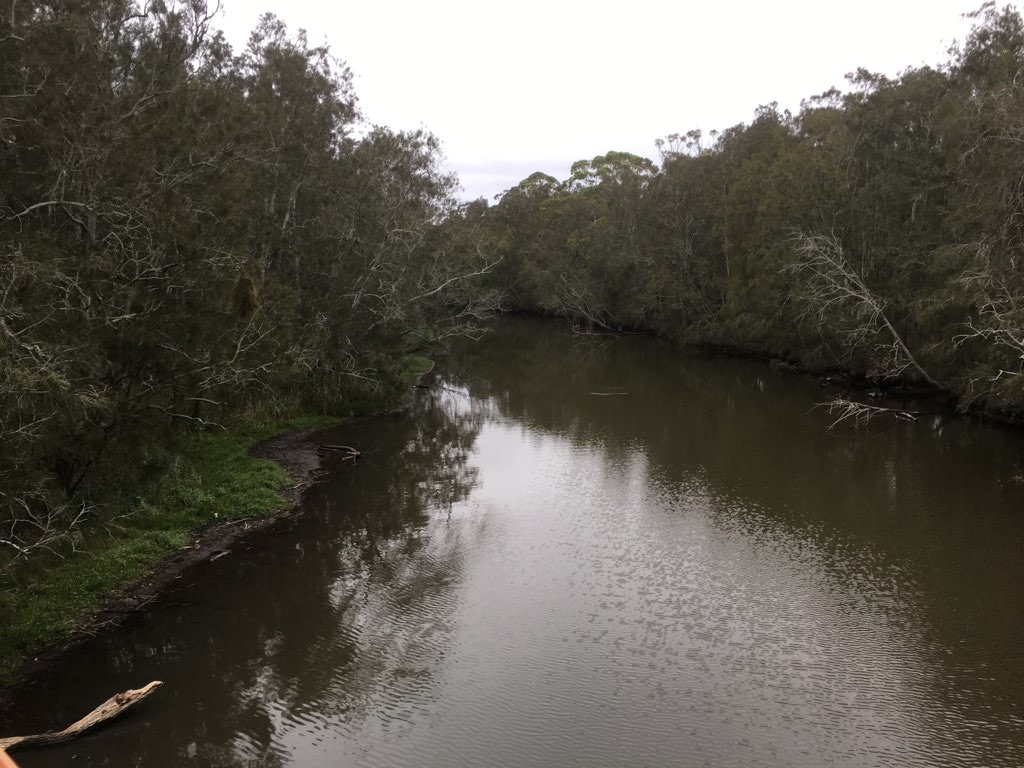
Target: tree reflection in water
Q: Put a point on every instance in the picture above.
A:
(382, 559)
(315, 627)
(702, 537)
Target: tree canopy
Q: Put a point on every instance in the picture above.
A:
(189, 232)
(879, 229)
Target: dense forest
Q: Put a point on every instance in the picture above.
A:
(878, 230)
(190, 233)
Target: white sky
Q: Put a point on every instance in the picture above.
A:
(516, 87)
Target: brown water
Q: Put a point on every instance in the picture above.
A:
(572, 554)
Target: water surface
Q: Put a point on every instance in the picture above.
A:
(580, 554)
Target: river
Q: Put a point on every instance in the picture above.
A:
(572, 552)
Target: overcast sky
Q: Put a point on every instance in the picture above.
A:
(516, 87)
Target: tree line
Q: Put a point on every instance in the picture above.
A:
(879, 229)
(189, 232)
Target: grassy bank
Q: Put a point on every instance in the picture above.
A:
(212, 478)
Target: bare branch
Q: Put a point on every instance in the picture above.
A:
(457, 278)
(861, 413)
(997, 286)
(47, 204)
(831, 287)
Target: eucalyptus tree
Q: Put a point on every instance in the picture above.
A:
(880, 228)
(988, 206)
(523, 228)
(681, 214)
(836, 297)
(187, 233)
(606, 277)
(95, 260)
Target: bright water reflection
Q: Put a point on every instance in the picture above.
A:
(598, 555)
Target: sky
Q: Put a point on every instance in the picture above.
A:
(533, 85)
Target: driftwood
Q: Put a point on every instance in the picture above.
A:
(345, 448)
(348, 451)
(112, 707)
(862, 413)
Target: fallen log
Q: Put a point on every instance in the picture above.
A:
(347, 451)
(345, 448)
(110, 708)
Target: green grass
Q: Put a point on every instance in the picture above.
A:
(212, 478)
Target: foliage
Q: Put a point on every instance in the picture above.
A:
(188, 233)
(880, 229)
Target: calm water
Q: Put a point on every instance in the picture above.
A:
(572, 554)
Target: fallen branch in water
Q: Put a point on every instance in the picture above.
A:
(862, 413)
(345, 448)
(112, 707)
(348, 451)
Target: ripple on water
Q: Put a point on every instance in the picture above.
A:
(695, 574)
(599, 621)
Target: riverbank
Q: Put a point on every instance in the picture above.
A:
(215, 491)
(523, 546)
(855, 385)
(839, 380)
(831, 375)
(222, 486)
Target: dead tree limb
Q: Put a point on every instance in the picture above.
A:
(345, 448)
(831, 286)
(862, 413)
(111, 708)
(998, 291)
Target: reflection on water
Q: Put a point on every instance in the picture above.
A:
(575, 554)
